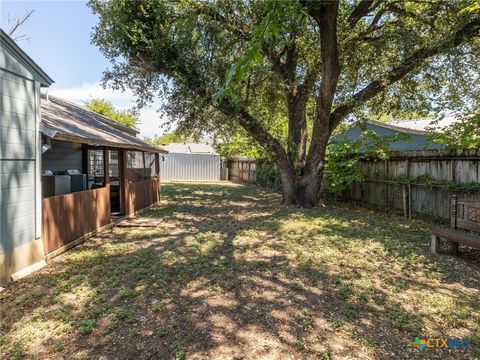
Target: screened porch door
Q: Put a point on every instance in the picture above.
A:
(114, 172)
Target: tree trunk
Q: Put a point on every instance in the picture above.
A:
(297, 129)
(304, 190)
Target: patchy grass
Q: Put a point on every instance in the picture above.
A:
(232, 274)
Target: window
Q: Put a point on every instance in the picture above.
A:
(95, 162)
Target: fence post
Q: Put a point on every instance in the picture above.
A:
(405, 205)
(453, 218)
(409, 200)
(409, 190)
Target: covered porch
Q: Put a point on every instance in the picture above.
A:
(88, 182)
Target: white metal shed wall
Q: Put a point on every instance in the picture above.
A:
(190, 167)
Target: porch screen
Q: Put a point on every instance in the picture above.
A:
(95, 162)
(95, 169)
(135, 166)
(113, 164)
(150, 168)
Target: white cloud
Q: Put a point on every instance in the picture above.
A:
(150, 118)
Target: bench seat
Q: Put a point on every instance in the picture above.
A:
(455, 237)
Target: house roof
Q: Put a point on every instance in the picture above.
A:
(64, 120)
(189, 148)
(419, 126)
(426, 124)
(30, 66)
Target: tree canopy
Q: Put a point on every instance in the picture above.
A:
(125, 117)
(463, 134)
(168, 138)
(288, 73)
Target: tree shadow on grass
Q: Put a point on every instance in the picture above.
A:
(246, 279)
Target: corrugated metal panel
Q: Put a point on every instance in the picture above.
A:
(190, 167)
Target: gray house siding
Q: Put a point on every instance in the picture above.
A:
(417, 142)
(62, 156)
(20, 203)
(17, 161)
(17, 128)
(17, 198)
(190, 167)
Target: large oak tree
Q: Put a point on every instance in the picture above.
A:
(304, 65)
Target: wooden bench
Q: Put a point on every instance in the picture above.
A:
(465, 216)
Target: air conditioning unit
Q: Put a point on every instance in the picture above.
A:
(78, 181)
(53, 185)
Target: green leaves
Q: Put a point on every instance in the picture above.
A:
(472, 7)
(266, 34)
(222, 65)
(343, 157)
(462, 134)
(105, 108)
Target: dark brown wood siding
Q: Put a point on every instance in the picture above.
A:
(69, 217)
(142, 194)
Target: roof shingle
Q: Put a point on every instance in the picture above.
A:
(64, 120)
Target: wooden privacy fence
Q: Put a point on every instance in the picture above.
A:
(142, 194)
(415, 182)
(242, 170)
(68, 217)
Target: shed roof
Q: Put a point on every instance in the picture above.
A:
(64, 120)
(28, 67)
(189, 148)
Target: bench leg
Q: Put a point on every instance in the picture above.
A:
(435, 246)
(454, 247)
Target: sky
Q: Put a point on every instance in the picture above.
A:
(58, 40)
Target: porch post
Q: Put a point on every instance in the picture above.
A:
(157, 165)
(122, 176)
(106, 167)
(144, 166)
(85, 159)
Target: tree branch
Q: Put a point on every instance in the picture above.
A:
(243, 117)
(363, 8)
(409, 64)
(142, 62)
(18, 24)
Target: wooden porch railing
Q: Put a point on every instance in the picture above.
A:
(68, 217)
(141, 195)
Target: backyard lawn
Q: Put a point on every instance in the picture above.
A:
(231, 274)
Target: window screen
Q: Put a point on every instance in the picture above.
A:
(150, 168)
(113, 163)
(135, 166)
(95, 162)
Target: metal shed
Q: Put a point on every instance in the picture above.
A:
(190, 162)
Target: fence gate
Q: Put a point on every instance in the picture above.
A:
(242, 170)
